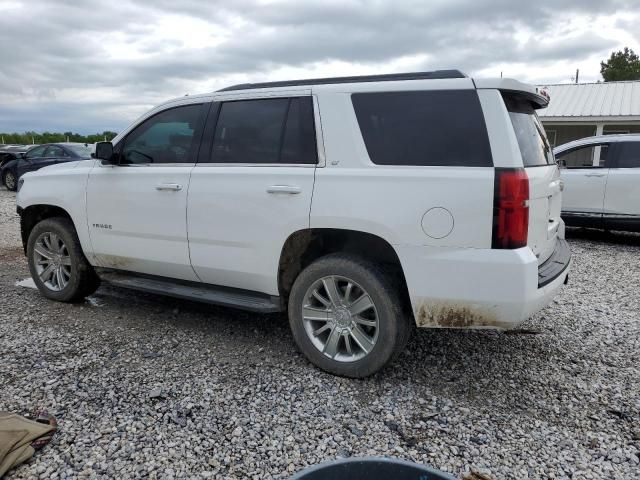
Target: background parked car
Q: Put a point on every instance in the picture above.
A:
(42, 156)
(11, 152)
(602, 182)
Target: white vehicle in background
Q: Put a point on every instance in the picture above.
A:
(362, 206)
(602, 182)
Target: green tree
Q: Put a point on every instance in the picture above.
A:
(622, 65)
(27, 138)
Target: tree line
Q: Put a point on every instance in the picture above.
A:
(27, 138)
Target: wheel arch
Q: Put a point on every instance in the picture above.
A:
(304, 246)
(30, 216)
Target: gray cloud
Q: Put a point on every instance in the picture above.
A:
(55, 47)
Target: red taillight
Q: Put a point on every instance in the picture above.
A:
(510, 208)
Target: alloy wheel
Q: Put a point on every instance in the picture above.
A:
(10, 181)
(52, 261)
(340, 318)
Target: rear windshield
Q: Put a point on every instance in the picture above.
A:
(426, 128)
(532, 139)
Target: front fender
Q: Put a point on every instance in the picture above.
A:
(58, 189)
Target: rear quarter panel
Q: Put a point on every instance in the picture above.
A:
(390, 201)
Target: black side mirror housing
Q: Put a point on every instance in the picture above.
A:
(104, 152)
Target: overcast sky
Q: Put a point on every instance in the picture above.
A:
(96, 65)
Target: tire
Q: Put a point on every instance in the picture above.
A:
(77, 278)
(382, 343)
(9, 181)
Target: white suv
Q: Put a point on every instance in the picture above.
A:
(602, 178)
(362, 205)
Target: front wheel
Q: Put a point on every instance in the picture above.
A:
(56, 261)
(9, 181)
(346, 316)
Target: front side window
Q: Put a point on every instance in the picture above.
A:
(424, 128)
(532, 140)
(584, 157)
(164, 138)
(628, 154)
(36, 152)
(267, 131)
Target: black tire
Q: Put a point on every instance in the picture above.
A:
(9, 180)
(394, 326)
(83, 280)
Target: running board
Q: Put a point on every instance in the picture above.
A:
(227, 297)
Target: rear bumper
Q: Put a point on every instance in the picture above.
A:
(555, 265)
(480, 288)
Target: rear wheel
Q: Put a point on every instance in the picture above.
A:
(346, 316)
(56, 262)
(9, 180)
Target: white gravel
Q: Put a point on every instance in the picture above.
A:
(145, 386)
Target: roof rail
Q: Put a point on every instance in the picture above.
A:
(436, 74)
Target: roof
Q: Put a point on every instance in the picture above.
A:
(627, 137)
(436, 74)
(605, 100)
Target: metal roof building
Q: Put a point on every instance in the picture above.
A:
(586, 109)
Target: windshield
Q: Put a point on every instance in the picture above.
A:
(534, 146)
(81, 150)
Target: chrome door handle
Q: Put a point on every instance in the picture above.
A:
(288, 189)
(169, 186)
(595, 175)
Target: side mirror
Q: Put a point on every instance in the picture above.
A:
(104, 151)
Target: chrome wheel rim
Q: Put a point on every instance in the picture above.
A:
(10, 181)
(52, 261)
(340, 319)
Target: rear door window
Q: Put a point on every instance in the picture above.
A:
(425, 128)
(532, 140)
(628, 154)
(266, 131)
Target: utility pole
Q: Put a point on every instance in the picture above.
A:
(577, 74)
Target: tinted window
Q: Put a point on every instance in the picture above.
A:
(278, 130)
(444, 127)
(628, 154)
(164, 138)
(534, 146)
(299, 141)
(584, 157)
(36, 152)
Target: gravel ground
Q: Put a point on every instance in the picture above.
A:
(145, 386)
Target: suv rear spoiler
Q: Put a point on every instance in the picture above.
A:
(537, 96)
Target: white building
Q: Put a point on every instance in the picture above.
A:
(586, 109)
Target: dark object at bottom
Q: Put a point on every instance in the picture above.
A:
(370, 469)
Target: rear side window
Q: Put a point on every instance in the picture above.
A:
(534, 146)
(275, 130)
(425, 128)
(628, 154)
